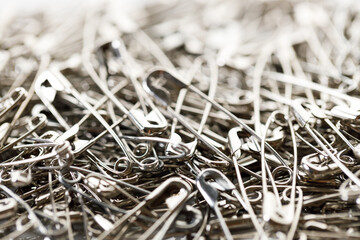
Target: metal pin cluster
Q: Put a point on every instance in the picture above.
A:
(181, 120)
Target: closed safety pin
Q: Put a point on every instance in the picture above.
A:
(35, 123)
(60, 149)
(303, 117)
(210, 195)
(163, 96)
(162, 83)
(14, 98)
(60, 80)
(234, 146)
(272, 207)
(318, 113)
(152, 123)
(222, 183)
(176, 188)
(47, 88)
(181, 97)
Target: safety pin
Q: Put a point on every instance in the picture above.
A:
(92, 199)
(36, 150)
(211, 95)
(118, 181)
(141, 151)
(159, 94)
(179, 102)
(60, 80)
(318, 113)
(31, 213)
(35, 123)
(169, 187)
(122, 60)
(222, 183)
(150, 124)
(317, 167)
(82, 145)
(279, 213)
(62, 149)
(43, 90)
(47, 88)
(147, 163)
(210, 195)
(172, 219)
(239, 140)
(283, 100)
(14, 98)
(161, 76)
(303, 117)
(106, 187)
(234, 146)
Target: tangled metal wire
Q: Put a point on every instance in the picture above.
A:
(180, 120)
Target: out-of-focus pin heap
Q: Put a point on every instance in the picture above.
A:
(190, 120)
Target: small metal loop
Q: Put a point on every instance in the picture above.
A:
(281, 169)
(149, 164)
(254, 196)
(346, 159)
(141, 150)
(287, 192)
(124, 166)
(75, 180)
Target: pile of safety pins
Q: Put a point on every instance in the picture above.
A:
(184, 120)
